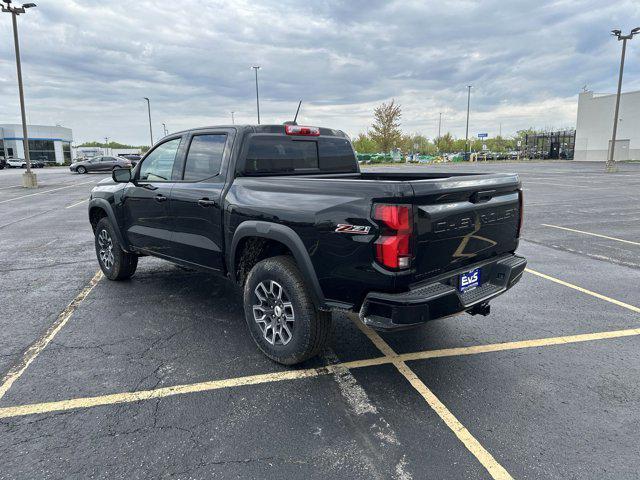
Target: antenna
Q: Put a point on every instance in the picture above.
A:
(297, 111)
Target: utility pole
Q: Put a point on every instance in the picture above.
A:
(256, 68)
(150, 128)
(29, 179)
(610, 166)
(439, 128)
(466, 136)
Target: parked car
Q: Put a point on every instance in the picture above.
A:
(285, 213)
(132, 157)
(99, 163)
(16, 163)
(22, 163)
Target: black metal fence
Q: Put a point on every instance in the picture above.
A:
(550, 145)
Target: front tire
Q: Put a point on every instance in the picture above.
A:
(115, 263)
(81, 170)
(280, 315)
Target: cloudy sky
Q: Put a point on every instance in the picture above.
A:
(87, 64)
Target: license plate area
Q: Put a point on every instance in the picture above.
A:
(469, 280)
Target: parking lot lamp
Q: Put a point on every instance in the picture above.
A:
(610, 165)
(149, 111)
(164, 129)
(256, 68)
(466, 136)
(29, 179)
(439, 127)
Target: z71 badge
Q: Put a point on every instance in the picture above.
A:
(356, 229)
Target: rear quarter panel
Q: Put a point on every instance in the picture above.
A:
(313, 207)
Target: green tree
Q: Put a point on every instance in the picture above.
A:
(364, 144)
(522, 134)
(416, 143)
(386, 126)
(445, 143)
(111, 145)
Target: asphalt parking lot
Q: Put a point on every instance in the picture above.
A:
(158, 377)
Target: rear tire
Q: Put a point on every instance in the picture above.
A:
(115, 263)
(280, 315)
(81, 170)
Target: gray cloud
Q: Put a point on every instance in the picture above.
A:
(87, 64)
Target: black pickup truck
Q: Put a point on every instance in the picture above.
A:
(285, 212)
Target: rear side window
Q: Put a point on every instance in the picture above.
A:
(279, 154)
(205, 156)
(336, 155)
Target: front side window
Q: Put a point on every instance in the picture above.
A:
(204, 157)
(158, 166)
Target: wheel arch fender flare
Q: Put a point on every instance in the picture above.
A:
(288, 237)
(103, 204)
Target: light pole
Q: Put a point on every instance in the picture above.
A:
(149, 111)
(233, 120)
(106, 145)
(466, 135)
(29, 179)
(439, 127)
(610, 167)
(256, 68)
(164, 129)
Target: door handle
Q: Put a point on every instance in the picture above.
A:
(160, 198)
(205, 202)
(485, 196)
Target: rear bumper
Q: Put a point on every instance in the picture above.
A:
(441, 297)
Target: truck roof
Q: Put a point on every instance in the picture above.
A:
(264, 128)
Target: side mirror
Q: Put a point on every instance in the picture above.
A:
(121, 175)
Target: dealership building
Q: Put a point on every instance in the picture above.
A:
(46, 143)
(594, 127)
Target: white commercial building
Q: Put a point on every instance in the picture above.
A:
(594, 127)
(46, 143)
(88, 152)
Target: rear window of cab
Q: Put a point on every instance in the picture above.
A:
(280, 154)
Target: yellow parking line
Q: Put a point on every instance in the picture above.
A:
(590, 233)
(633, 308)
(129, 397)
(487, 460)
(34, 350)
(499, 347)
(389, 358)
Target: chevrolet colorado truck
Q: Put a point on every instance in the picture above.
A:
(285, 212)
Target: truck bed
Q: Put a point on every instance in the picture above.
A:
(459, 219)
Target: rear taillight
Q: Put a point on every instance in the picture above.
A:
(303, 131)
(393, 247)
(521, 208)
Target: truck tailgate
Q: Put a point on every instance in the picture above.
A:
(463, 220)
